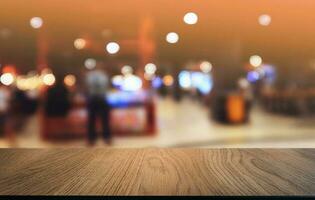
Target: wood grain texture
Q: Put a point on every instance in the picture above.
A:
(157, 171)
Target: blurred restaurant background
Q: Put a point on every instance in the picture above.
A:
(182, 73)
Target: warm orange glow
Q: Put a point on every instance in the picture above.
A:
(70, 80)
(9, 69)
(79, 43)
(168, 80)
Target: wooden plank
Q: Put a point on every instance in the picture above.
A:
(109, 171)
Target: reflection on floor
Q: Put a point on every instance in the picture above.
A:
(187, 124)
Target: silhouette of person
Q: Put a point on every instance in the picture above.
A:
(57, 101)
(97, 85)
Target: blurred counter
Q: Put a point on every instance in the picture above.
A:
(132, 114)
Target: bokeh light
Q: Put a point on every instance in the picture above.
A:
(125, 70)
(90, 63)
(117, 81)
(29, 82)
(36, 22)
(261, 72)
(70, 80)
(191, 18)
(150, 68)
(255, 61)
(252, 76)
(131, 83)
(269, 73)
(172, 38)
(168, 80)
(196, 78)
(157, 82)
(206, 67)
(184, 80)
(49, 79)
(243, 83)
(79, 43)
(7, 79)
(264, 20)
(112, 48)
(202, 82)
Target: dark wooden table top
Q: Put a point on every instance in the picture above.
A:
(109, 171)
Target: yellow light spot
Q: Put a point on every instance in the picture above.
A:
(49, 79)
(255, 61)
(79, 43)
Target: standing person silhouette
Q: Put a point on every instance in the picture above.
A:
(97, 85)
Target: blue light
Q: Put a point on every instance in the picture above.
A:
(185, 79)
(157, 82)
(197, 79)
(201, 81)
(270, 73)
(122, 99)
(252, 76)
(206, 84)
